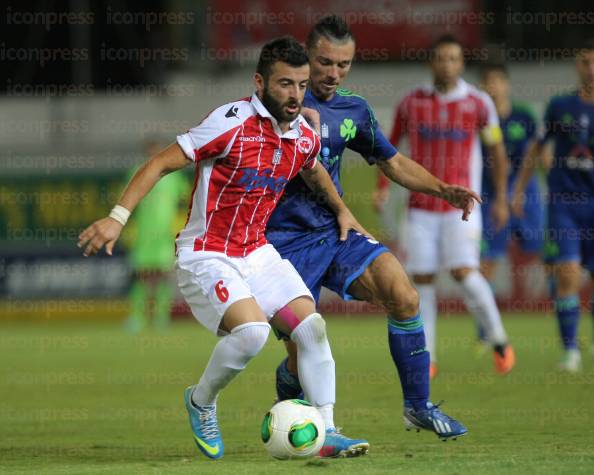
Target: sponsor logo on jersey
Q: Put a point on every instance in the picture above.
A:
(232, 112)
(257, 138)
(252, 180)
(580, 158)
(431, 132)
(325, 158)
(304, 144)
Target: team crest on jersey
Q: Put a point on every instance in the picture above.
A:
(304, 144)
(276, 158)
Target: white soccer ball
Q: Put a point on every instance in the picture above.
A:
(293, 429)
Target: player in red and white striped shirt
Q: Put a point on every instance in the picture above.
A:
(444, 122)
(234, 197)
(244, 152)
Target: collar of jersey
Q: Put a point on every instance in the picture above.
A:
(309, 95)
(459, 92)
(294, 131)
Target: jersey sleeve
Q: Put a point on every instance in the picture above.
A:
(490, 129)
(369, 140)
(312, 159)
(212, 138)
(399, 128)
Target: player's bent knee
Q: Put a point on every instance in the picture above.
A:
(405, 303)
(460, 274)
(251, 337)
(313, 325)
(241, 312)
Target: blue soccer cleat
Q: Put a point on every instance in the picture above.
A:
(287, 384)
(203, 420)
(434, 420)
(339, 445)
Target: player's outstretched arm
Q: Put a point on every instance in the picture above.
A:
(411, 175)
(318, 179)
(526, 171)
(106, 231)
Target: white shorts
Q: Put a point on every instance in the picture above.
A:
(211, 282)
(437, 241)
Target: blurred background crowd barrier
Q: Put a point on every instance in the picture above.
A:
(85, 85)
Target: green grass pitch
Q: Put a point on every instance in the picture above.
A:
(85, 398)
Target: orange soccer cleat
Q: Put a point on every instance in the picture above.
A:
(504, 364)
(433, 370)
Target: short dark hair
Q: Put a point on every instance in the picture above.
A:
(285, 49)
(331, 27)
(446, 40)
(493, 68)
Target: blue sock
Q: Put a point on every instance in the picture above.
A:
(568, 317)
(407, 346)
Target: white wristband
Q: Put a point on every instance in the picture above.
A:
(120, 214)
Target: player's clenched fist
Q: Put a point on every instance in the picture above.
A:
(104, 232)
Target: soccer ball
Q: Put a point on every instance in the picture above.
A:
(293, 429)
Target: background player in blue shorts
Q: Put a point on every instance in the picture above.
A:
(569, 123)
(518, 125)
(304, 231)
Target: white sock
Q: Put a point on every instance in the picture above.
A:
(229, 357)
(327, 413)
(479, 298)
(428, 311)
(316, 365)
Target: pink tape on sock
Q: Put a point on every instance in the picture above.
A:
(288, 316)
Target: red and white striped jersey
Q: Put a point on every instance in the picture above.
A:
(243, 162)
(443, 133)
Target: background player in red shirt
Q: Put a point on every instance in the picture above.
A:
(443, 122)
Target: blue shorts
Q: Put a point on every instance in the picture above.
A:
(324, 260)
(528, 231)
(570, 234)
